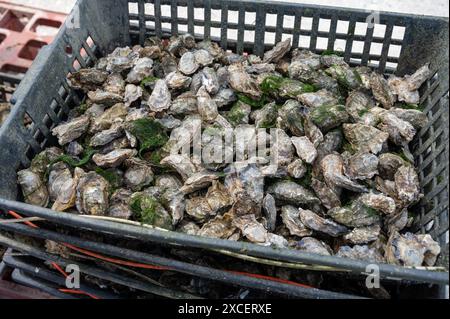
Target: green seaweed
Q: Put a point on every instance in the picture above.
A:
(144, 207)
(235, 115)
(253, 103)
(332, 52)
(370, 211)
(148, 80)
(113, 178)
(149, 133)
(410, 106)
(271, 84)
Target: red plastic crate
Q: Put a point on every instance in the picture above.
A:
(23, 31)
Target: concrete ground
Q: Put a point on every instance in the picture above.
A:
(425, 7)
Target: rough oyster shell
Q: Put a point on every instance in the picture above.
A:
(181, 163)
(400, 132)
(355, 215)
(224, 97)
(176, 80)
(327, 195)
(319, 98)
(160, 98)
(104, 97)
(33, 188)
(407, 184)
(270, 212)
(206, 105)
(361, 166)
(114, 84)
(313, 245)
(198, 181)
(379, 202)
(277, 52)
(138, 174)
(119, 204)
(321, 225)
(107, 118)
(291, 219)
(219, 227)
(296, 169)
(210, 80)
(242, 82)
(360, 253)
(381, 90)
(346, 76)
(332, 166)
(327, 117)
(251, 228)
(184, 104)
(266, 116)
(388, 165)
(365, 138)
(92, 194)
(188, 64)
(67, 132)
(358, 105)
(114, 158)
(107, 136)
(282, 148)
(292, 192)
(290, 117)
(363, 235)
(305, 149)
(416, 118)
(406, 88)
(87, 79)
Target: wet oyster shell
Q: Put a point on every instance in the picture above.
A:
(206, 105)
(363, 235)
(114, 84)
(74, 148)
(198, 181)
(416, 118)
(132, 94)
(312, 132)
(188, 64)
(277, 52)
(251, 228)
(219, 227)
(332, 166)
(407, 184)
(296, 169)
(189, 228)
(114, 158)
(412, 250)
(321, 225)
(150, 210)
(107, 118)
(361, 166)
(266, 116)
(184, 104)
(104, 97)
(319, 98)
(365, 138)
(388, 165)
(282, 148)
(381, 90)
(210, 80)
(327, 117)
(400, 132)
(87, 79)
(176, 80)
(355, 215)
(242, 82)
(305, 149)
(270, 211)
(327, 195)
(119, 204)
(358, 105)
(160, 98)
(360, 253)
(70, 131)
(33, 188)
(313, 245)
(92, 194)
(107, 136)
(138, 174)
(224, 97)
(291, 219)
(379, 202)
(347, 77)
(290, 118)
(292, 192)
(406, 88)
(181, 163)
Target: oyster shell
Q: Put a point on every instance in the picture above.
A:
(224, 97)
(416, 118)
(270, 211)
(282, 148)
(160, 98)
(291, 192)
(119, 204)
(346, 76)
(70, 131)
(87, 79)
(114, 158)
(365, 138)
(379, 202)
(33, 188)
(355, 215)
(363, 235)
(132, 93)
(327, 195)
(206, 105)
(181, 163)
(176, 80)
(290, 117)
(210, 80)
(74, 148)
(266, 116)
(313, 245)
(150, 211)
(189, 228)
(184, 104)
(321, 225)
(388, 165)
(400, 132)
(304, 65)
(239, 114)
(296, 169)
(92, 194)
(312, 132)
(218, 227)
(332, 166)
(358, 105)
(107, 136)
(406, 88)
(242, 82)
(407, 184)
(114, 84)
(104, 97)
(188, 64)
(361, 166)
(104, 120)
(203, 57)
(327, 117)
(305, 149)
(412, 250)
(251, 228)
(198, 181)
(360, 253)
(319, 98)
(291, 219)
(277, 52)
(381, 90)
(138, 174)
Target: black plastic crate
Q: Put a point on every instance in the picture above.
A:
(96, 27)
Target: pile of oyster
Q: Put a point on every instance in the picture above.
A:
(344, 177)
